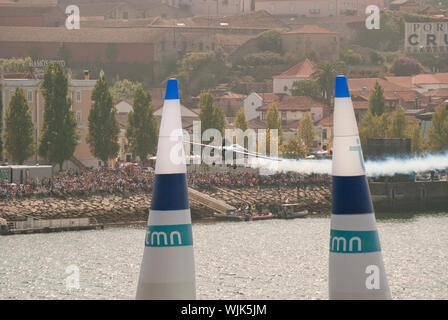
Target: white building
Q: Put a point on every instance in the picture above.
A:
(301, 71)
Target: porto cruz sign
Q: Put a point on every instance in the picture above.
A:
(426, 37)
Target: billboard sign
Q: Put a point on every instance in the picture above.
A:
(426, 37)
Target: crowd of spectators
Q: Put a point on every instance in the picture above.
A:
(123, 181)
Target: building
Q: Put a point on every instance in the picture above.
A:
(422, 82)
(255, 100)
(128, 45)
(316, 8)
(283, 82)
(37, 13)
(313, 42)
(79, 91)
(212, 7)
(405, 5)
(292, 109)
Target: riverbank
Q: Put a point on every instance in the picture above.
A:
(133, 208)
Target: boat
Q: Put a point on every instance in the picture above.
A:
(290, 211)
(264, 215)
(230, 215)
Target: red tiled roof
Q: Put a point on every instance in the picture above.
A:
(291, 103)
(256, 124)
(401, 81)
(441, 92)
(303, 69)
(326, 122)
(83, 35)
(311, 29)
(356, 85)
(360, 104)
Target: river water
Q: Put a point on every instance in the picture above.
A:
(274, 259)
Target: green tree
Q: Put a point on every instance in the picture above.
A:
(142, 131)
(306, 130)
(15, 64)
(377, 102)
(294, 148)
(103, 123)
(417, 141)
(240, 120)
(211, 116)
(438, 133)
(123, 89)
(307, 88)
(59, 136)
(351, 57)
(373, 127)
(270, 40)
(398, 124)
(274, 121)
(324, 76)
(19, 128)
(200, 70)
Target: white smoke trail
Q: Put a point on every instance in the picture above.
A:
(386, 167)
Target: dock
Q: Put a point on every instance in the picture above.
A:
(33, 225)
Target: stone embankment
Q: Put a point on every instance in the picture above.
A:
(116, 209)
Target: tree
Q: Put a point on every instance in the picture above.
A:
(373, 127)
(376, 58)
(123, 89)
(306, 130)
(19, 128)
(405, 66)
(59, 136)
(307, 88)
(417, 142)
(210, 115)
(351, 57)
(294, 148)
(142, 131)
(270, 40)
(103, 123)
(398, 124)
(15, 64)
(274, 121)
(377, 102)
(240, 120)
(324, 76)
(200, 70)
(438, 133)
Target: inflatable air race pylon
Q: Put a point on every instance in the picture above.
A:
(167, 270)
(356, 269)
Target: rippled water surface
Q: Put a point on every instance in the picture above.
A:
(274, 259)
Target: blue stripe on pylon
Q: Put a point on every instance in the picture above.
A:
(172, 90)
(170, 192)
(341, 87)
(351, 195)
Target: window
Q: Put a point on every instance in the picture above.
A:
(201, 46)
(263, 115)
(78, 96)
(162, 45)
(30, 95)
(78, 116)
(125, 15)
(324, 134)
(284, 115)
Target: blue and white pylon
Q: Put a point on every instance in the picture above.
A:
(168, 270)
(356, 269)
